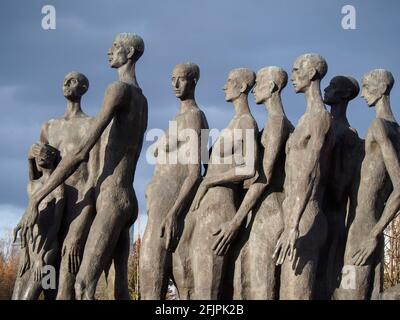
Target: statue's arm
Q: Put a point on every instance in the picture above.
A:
(276, 141)
(115, 96)
(277, 137)
(34, 173)
(248, 149)
(392, 163)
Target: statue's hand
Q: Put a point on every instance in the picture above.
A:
(74, 252)
(201, 192)
(286, 246)
(169, 230)
(37, 270)
(34, 150)
(225, 236)
(365, 250)
(25, 226)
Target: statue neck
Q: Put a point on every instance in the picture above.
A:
(274, 105)
(338, 112)
(314, 97)
(241, 105)
(383, 109)
(46, 173)
(188, 104)
(127, 74)
(73, 109)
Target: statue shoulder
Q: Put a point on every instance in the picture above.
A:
(247, 121)
(118, 92)
(118, 86)
(378, 128)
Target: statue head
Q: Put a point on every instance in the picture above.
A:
(126, 47)
(376, 84)
(341, 89)
(240, 81)
(268, 81)
(46, 157)
(307, 68)
(75, 85)
(184, 79)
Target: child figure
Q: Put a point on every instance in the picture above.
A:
(43, 251)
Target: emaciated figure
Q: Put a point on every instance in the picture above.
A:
(172, 186)
(44, 252)
(256, 275)
(378, 199)
(308, 155)
(232, 161)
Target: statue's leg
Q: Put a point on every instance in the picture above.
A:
(264, 234)
(121, 256)
(20, 282)
(181, 262)
(208, 268)
(155, 263)
(355, 284)
(76, 236)
(336, 254)
(103, 237)
(262, 267)
(66, 289)
(356, 281)
(33, 288)
(298, 276)
(297, 286)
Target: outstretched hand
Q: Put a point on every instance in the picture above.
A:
(365, 250)
(169, 230)
(286, 246)
(25, 226)
(224, 237)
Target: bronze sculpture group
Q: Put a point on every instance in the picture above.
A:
(275, 214)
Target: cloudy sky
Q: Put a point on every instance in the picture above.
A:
(217, 35)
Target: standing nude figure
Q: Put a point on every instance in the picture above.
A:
(124, 114)
(308, 154)
(344, 171)
(256, 273)
(380, 184)
(34, 257)
(65, 134)
(232, 161)
(173, 185)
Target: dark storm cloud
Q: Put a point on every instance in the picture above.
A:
(217, 35)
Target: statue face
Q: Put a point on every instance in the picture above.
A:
(335, 92)
(370, 92)
(45, 159)
(43, 162)
(181, 83)
(261, 90)
(117, 55)
(232, 87)
(300, 76)
(71, 87)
